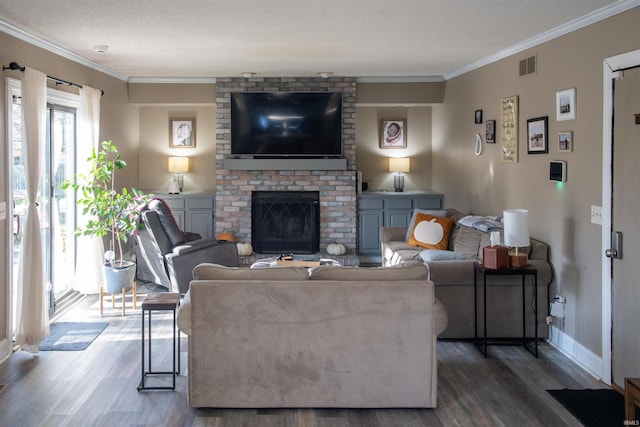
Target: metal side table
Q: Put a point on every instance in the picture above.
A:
(523, 272)
(160, 302)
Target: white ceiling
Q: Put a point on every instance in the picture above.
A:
(399, 40)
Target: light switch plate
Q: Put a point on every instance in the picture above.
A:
(596, 215)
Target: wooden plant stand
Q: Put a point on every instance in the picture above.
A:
(113, 304)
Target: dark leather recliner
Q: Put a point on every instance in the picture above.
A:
(166, 255)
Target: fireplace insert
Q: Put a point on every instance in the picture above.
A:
(285, 222)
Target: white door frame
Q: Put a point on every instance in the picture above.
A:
(610, 67)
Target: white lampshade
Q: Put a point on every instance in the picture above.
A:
(178, 164)
(516, 227)
(399, 164)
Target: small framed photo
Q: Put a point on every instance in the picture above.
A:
(537, 138)
(478, 117)
(491, 132)
(566, 104)
(393, 134)
(565, 141)
(182, 133)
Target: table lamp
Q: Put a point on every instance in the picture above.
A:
(178, 166)
(516, 235)
(399, 165)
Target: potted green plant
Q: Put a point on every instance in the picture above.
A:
(111, 213)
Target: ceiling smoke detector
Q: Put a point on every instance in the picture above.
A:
(248, 75)
(325, 74)
(100, 48)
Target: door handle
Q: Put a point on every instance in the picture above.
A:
(615, 251)
(17, 229)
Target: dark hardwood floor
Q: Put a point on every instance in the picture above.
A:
(97, 386)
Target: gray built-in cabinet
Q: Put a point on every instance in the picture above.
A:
(194, 212)
(382, 208)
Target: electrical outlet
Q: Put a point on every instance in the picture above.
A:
(556, 308)
(596, 215)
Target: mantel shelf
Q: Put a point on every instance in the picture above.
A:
(286, 164)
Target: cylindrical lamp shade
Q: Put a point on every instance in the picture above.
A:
(516, 227)
(178, 164)
(399, 164)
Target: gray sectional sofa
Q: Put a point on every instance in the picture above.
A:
(330, 337)
(452, 273)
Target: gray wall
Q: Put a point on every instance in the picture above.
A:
(559, 215)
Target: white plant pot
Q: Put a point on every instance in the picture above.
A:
(119, 277)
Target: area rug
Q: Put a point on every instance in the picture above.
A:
(72, 336)
(594, 408)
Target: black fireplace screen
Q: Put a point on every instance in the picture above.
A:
(285, 222)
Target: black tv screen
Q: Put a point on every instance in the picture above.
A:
(273, 124)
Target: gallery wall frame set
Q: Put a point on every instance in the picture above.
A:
(509, 129)
(182, 133)
(538, 135)
(477, 117)
(490, 134)
(393, 133)
(565, 141)
(566, 104)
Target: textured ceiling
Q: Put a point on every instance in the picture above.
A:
(358, 38)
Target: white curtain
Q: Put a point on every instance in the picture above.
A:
(32, 317)
(89, 274)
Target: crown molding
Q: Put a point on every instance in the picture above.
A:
(179, 80)
(400, 79)
(18, 33)
(583, 21)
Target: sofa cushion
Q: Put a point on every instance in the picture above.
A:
(207, 271)
(440, 213)
(466, 240)
(438, 255)
(404, 271)
(431, 232)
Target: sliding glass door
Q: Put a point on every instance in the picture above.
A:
(58, 231)
(56, 206)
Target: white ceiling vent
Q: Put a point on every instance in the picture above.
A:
(528, 66)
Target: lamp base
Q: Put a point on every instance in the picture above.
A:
(398, 182)
(518, 260)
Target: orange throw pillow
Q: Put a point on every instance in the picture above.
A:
(431, 232)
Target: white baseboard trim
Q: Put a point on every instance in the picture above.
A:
(582, 356)
(6, 347)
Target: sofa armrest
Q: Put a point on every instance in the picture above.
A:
(195, 245)
(388, 234)
(184, 314)
(184, 258)
(539, 250)
(440, 317)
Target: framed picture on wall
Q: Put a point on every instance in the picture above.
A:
(491, 132)
(393, 134)
(537, 140)
(565, 141)
(477, 117)
(566, 104)
(509, 129)
(182, 133)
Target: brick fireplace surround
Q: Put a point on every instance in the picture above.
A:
(337, 188)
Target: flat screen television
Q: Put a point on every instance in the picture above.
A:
(286, 124)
